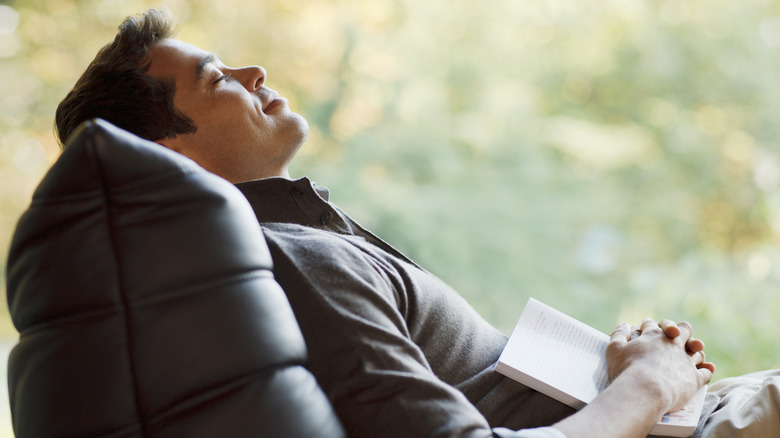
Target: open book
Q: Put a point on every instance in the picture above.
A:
(563, 358)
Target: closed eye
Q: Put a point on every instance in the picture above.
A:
(221, 78)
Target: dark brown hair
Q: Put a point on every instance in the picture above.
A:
(116, 88)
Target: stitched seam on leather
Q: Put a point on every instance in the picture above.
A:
(124, 308)
(207, 395)
(134, 185)
(126, 431)
(66, 198)
(182, 292)
(87, 315)
(71, 319)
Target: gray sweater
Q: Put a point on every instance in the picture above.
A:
(397, 351)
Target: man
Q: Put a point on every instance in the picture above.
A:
(397, 351)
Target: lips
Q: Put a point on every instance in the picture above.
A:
(273, 104)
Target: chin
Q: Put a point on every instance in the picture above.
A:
(303, 124)
(303, 128)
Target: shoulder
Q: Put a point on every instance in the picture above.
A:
(302, 240)
(306, 250)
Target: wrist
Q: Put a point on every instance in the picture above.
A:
(627, 408)
(652, 392)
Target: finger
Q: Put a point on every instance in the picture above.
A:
(621, 335)
(705, 373)
(648, 324)
(685, 335)
(704, 369)
(636, 330)
(694, 345)
(708, 366)
(700, 360)
(670, 328)
(685, 329)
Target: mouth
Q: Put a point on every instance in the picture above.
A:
(273, 103)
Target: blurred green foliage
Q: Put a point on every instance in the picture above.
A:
(616, 159)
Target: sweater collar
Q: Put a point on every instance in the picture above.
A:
(279, 184)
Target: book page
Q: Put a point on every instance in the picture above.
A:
(559, 350)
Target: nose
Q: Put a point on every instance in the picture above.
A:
(252, 77)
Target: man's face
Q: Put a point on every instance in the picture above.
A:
(245, 131)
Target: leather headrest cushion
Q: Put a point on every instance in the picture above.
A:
(137, 281)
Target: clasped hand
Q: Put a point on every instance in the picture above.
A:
(664, 359)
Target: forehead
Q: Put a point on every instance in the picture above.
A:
(176, 59)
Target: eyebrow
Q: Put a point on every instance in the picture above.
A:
(201, 67)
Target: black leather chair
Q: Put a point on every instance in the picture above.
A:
(142, 289)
